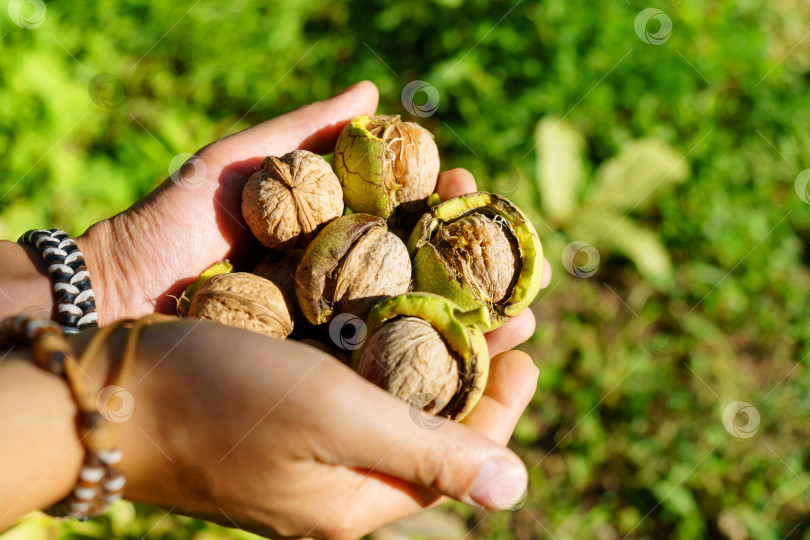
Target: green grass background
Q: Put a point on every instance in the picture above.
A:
(624, 436)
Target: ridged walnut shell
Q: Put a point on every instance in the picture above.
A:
(383, 162)
(478, 250)
(289, 198)
(245, 301)
(353, 264)
(426, 351)
(409, 358)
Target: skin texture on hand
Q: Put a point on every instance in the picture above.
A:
(275, 436)
(304, 447)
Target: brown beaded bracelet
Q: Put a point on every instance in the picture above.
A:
(100, 482)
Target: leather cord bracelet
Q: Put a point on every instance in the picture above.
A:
(73, 295)
(100, 482)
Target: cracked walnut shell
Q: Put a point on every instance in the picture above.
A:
(354, 263)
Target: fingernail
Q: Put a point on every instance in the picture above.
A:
(500, 485)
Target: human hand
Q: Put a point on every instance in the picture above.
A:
(193, 219)
(159, 245)
(281, 439)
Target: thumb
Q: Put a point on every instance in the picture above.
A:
(313, 127)
(435, 453)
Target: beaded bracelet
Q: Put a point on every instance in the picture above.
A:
(100, 482)
(75, 299)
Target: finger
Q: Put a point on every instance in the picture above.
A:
(511, 385)
(455, 182)
(447, 457)
(546, 274)
(519, 329)
(313, 127)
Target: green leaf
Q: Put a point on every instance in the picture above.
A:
(560, 170)
(640, 173)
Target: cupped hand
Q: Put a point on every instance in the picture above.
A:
(149, 253)
(193, 219)
(281, 439)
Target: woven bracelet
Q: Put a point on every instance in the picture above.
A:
(100, 481)
(74, 297)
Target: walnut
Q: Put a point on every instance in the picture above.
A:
(244, 301)
(349, 267)
(483, 250)
(383, 162)
(409, 358)
(426, 351)
(478, 250)
(289, 198)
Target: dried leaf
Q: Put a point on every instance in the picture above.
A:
(633, 179)
(559, 168)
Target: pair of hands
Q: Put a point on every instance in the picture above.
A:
(276, 436)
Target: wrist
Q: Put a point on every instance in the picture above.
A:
(24, 281)
(41, 452)
(132, 411)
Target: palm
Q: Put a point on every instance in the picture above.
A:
(194, 218)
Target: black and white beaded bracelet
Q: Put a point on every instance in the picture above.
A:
(73, 295)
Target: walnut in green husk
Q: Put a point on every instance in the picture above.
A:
(425, 350)
(383, 162)
(478, 250)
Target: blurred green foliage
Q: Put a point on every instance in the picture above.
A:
(624, 437)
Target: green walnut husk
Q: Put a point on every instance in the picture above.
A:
(426, 351)
(383, 162)
(478, 250)
(353, 263)
(221, 267)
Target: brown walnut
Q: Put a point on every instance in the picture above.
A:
(478, 247)
(349, 267)
(409, 358)
(244, 301)
(289, 198)
(412, 157)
